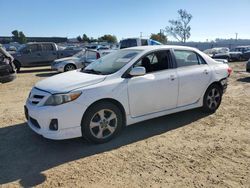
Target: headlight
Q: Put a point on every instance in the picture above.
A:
(56, 62)
(58, 99)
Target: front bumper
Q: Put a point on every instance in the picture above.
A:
(57, 67)
(69, 118)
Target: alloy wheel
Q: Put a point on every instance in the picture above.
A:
(70, 67)
(213, 98)
(103, 124)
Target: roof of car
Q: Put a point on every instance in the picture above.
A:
(155, 47)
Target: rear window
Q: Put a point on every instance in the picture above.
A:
(144, 42)
(91, 55)
(128, 43)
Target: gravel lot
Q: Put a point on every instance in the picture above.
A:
(187, 149)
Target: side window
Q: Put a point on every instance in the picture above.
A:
(155, 61)
(187, 58)
(144, 42)
(48, 47)
(32, 48)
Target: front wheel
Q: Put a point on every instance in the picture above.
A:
(69, 67)
(102, 122)
(17, 65)
(212, 98)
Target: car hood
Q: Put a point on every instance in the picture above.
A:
(66, 82)
(72, 58)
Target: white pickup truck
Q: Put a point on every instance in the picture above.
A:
(132, 42)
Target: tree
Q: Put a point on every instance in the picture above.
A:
(79, 38)
(85, 38)
(15, 36)
(19, 37)
(159, 37)
(180, 28)
(108, 38)
(22, 38)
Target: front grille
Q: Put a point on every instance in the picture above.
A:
(34, 122)
(36, 96)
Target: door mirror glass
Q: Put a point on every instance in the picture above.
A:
(137, 71)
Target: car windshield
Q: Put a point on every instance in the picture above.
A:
(80, 54)
(21, 47)
(112, 62)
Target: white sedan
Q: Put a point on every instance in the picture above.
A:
(123, 88)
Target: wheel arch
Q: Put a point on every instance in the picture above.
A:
(113, 101)
(218, 83)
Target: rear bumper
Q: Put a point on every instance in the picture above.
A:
(224, 84)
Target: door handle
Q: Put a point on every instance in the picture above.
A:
(206, 71)
(172, 77)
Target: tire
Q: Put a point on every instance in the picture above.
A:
(212, 99)
(69, 67)
(17, 65)
(102, 122)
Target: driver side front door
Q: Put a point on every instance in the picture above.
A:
(155, 91)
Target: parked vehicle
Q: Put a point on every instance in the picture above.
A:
(248, 66)
(125, 87)
(7, 67)
(79, 60)
(39, 54)
(132, 42)
(243, 52)
(97, 47)
(236, 54)
(218, 53)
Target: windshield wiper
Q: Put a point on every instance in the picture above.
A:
(91, 71)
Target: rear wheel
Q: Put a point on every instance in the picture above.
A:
(212, 98)
(69, 67)
(102, 122)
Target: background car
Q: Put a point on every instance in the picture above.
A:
(79, 60)
(132, 42)
(7, 67)
(40, 54)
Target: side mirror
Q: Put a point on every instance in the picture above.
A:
(137, 71)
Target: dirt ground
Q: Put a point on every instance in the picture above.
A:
(187, 149)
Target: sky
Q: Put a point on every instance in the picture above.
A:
(124, 18)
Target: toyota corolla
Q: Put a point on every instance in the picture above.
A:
(125, 87)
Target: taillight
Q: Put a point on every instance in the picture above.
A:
(97, 55)
(229, 70)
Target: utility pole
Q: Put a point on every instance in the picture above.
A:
(236, 36)
(140, 34)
